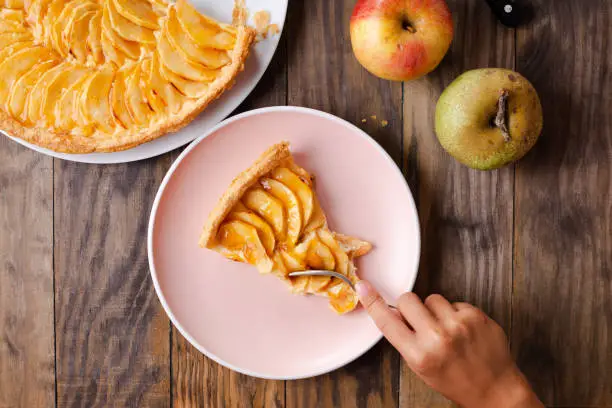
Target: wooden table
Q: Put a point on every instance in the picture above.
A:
(531, 244)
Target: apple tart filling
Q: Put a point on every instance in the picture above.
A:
(104, 75)
(270, 217)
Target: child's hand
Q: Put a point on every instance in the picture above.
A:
(455, 348)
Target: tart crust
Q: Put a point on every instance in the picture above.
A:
(66, 142)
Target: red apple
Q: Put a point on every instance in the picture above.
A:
(401, 40)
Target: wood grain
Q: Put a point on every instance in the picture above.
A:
(323, 74)
(197, 380)
(562, 309)
(27, 360)
(112, 334)
(466, 215)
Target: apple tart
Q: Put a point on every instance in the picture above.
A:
(270, 217)
(82, 76)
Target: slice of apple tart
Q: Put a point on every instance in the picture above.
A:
(82, 76)
(270, 217)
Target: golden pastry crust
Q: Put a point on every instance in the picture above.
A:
(66, 142)
(269, 160)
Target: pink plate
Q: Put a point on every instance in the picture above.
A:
(249, 322)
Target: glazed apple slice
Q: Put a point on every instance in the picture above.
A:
(13, 4)
(8, 26)
(94, 38)
(126, 28)
(111, 53)
(155, 102)
(64, 80)
(301, 189)
(263, 228)
(202, 31)
(94, 100)
(118, 99)
(176, 61)
(137, 107)
(16, 65)
(167, 93)
(20, 90)
(67, 27)
(242, 241)
(54, 9)
(189, 88)
(291, 204)
(138, 11)
(268, 207)
(78, 30)
(129, 48)
(16, 16)
(10, 39)
(63, 20)
(34, 99)
(66, 115)
(179, 39)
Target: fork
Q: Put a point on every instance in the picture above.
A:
(331, 274)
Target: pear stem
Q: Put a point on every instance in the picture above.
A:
(501, 119)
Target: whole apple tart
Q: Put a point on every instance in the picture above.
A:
(81, 76)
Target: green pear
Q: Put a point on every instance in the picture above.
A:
(487, 118)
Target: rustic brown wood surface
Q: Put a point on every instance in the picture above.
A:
(531, 244)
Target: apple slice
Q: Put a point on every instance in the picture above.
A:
(54, 9)
(129, 48)
(118, 99)
(78, 30)
(35, 15)
(342, 259)
(179, 39)
(94, 39)
(138, 11)
(16, 65)
(16, 16)
(52, 94)
(155, 102)
(9, 39)
(66, 113)
(189, 88)
(201, 31)
(19, 94)
(13, 48)
(266, 234)
(8, 26)
(162, 88)
(94, 100)
(242, 240)
(269, 207)
(176, 61)
(292, 264)
(301, 190)
(77, 12)
(58, 25)
(137, 107)
(34, 99)
(126, 28)
(12, 4)
(110, 52)
(291, 204)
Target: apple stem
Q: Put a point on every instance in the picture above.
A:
(501, 119)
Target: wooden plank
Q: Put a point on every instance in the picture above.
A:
(27, 359)
(323, 74)
(466, 215)
(562, 314)
(112, 334)
(197, 380)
